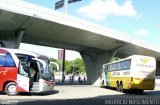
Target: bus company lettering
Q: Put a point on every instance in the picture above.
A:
(144, 65)
(145, 72)
(126, 73)
(116, 73)
(3, 72)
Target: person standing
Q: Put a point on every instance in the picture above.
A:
(84, 79)
(73, 78)
(79, 79)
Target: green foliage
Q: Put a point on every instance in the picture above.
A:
(68, 66)
(80, 66)
(53, 60)
(115, 59)
(74, 66)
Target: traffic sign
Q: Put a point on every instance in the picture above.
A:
(72, 1)
(60, 54)
(61, 3)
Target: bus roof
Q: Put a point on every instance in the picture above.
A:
(132, 56)
(18, 51)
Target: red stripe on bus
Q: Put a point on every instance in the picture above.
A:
(3, 51)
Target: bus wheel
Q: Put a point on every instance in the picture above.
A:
(10, 89)
(121, 87)
(117, 88)
(139, 91)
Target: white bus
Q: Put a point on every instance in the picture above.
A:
(136, 72)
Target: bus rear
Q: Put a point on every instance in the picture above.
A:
(143, 71)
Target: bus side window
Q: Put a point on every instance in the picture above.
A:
(119, 66)
(108, 67)
(6, 60)
(105, 68)
(123, 65)
(111, 67)
(128, 64)
(22, 69)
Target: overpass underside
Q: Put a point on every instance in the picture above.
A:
(40, 26)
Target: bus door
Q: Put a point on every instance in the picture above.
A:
(23, 78)
(103, 77)
(106, 75)
(45, 82)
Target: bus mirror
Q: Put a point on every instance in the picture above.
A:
(56, 65)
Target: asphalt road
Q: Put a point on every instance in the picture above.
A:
(82, 95)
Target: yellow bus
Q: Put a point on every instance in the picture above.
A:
(136, 72)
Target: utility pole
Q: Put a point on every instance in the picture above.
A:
(58, 5)
(65, 6)
(63, 66)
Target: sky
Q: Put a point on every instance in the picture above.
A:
(139, 19)
(50, 52)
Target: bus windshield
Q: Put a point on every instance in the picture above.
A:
(46, 70)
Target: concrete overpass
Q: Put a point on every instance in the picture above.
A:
(28, 23)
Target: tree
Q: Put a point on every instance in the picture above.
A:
(115, 59)
(75, 66)
(68, 67)
(80, 66)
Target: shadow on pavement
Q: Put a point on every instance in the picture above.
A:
(100, 100)
(148, 97)
(36, 94)
(40, 94)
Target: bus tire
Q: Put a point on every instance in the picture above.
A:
(139, 91)
(117, 87)
(121, 87)
(10, 89)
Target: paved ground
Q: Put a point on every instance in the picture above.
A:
(82, 95)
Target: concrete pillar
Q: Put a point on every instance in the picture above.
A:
(93, 63)
(20, 35)
(12, 40)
